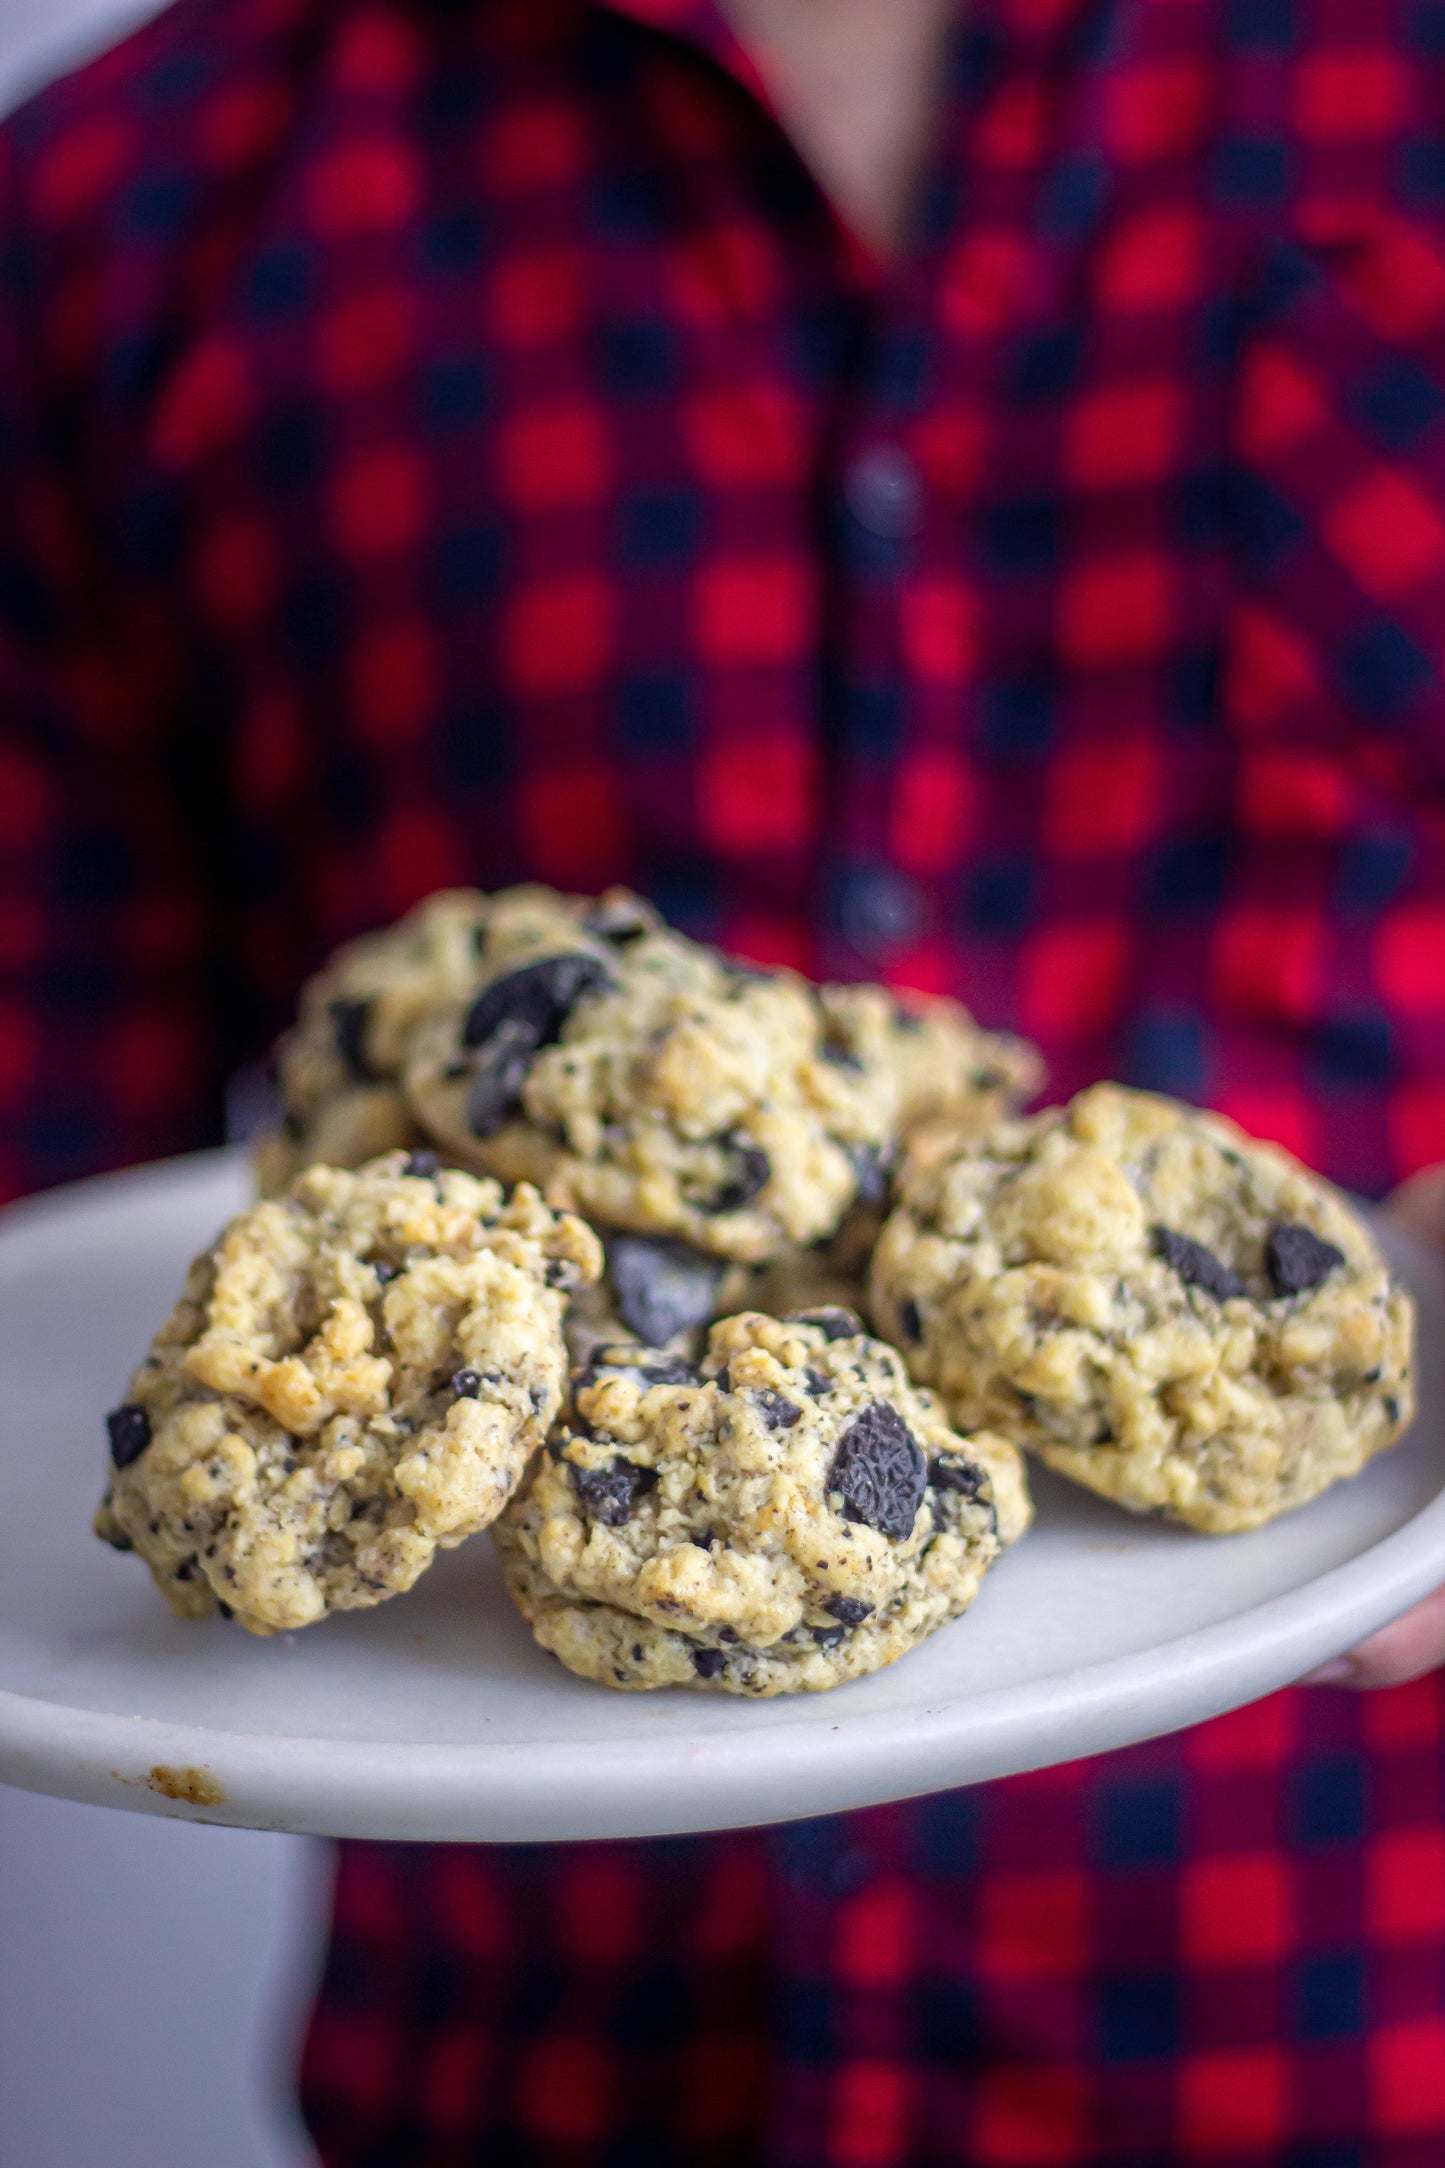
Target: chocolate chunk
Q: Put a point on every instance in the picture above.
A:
(466, 1384)
(1296, 1258)
(951, 1471)
(538, 998)
(661, 1288)
(620, 919)
(348, 1028)
(880, 1470)
(1196, 1265)
(749, 1172)
(671, 1370)
(870, 1175)
(608, 1493)
(130, 1433)
(422, 1165)
(910, 1319)
(833, 1324)
(497, 1080)
(776, 1410)
(848, 1610)
(819, 1383)
(828, 1637)
(709, 1663)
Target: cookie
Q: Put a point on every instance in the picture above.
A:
(355, 1375)
(790, 1515)
(648, 1082)
(339, 1069)
(1178, 1317)
(944, 1069)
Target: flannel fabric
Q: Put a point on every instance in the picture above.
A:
(455, 440)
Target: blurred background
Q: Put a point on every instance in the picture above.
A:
(153, 1975)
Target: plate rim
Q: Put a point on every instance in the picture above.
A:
(486, 1791)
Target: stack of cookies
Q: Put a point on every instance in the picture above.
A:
(570, 1229)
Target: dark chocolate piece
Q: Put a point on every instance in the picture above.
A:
(348, 1027)
(1195, 1265)
(661, 1288)
(498, 1077)
(870, 1175)
(880, 1470)
(833, 1324)
(1297, 1259)
(466, 1383)
(749, 1173)
(709, 1663)
(776, 1410)
(538, 998)
(608, 1493)
(130, 1433)
(848, 1610)
(951, 1471)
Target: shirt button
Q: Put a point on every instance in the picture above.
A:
(881, 912)
(884, 492)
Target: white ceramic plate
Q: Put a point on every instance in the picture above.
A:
(437, 1717)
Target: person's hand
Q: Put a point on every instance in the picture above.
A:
(1414, 1643)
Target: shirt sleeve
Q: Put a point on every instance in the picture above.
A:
(108, 987)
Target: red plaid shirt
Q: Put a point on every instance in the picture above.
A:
(450, 440)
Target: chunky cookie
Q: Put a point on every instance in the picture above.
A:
(339, 1069)
(1172, 1314)
(790, 1515)
(652, 1084)
(355, 1374)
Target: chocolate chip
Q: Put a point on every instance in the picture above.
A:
(224, 1609)
(672, 1370)
(348, 1029)
(1195, 1265)
(819, 1383)
(833, 1324)
(910, 1319)
(130, 1433)
(466, 1384)
(186, 1570)
(620, 919)
(608, 1493)
(538, 998)
(880, 1470)
(828, 1637)
(1296, 1259)
(776, 1410)
(422, 1165)
(709, 1663)
(848, 1610)
(661, 1288)
(870, 1176)
(749, 1173)
(952, 1472)
(498, 1077)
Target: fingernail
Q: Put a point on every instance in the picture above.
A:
(1338, 1672)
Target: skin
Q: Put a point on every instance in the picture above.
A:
(855, 83)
